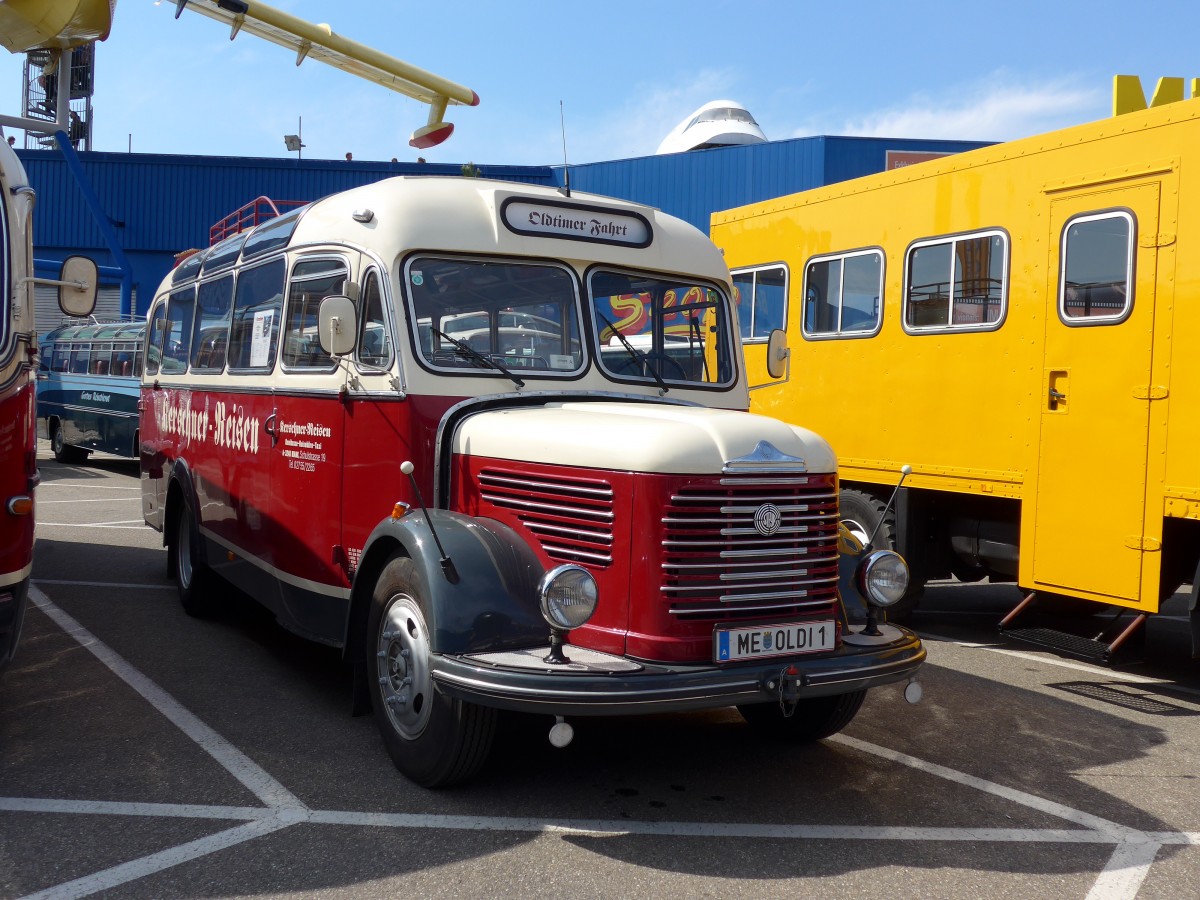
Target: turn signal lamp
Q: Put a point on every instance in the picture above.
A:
(21, 505)
(399, 510)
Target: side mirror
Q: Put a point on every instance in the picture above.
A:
(337, 327)
(777, 353)
(77, 286)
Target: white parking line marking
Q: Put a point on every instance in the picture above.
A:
(1108, 674)
(240, 766)
(94, 500)
(156, 862)
(1121, 878)
(132, 524)
(107, 584)
(90, 487)
(117, 808)
(1087, 820)
(1126, 870)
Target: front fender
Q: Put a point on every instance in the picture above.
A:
(489, 601)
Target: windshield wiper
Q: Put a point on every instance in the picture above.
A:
(479, 357)
(634, 353)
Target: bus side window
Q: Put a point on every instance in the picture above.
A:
(374, 341)
(101, 359)
(122, 360)
(257, 308)
(312, 281)
(154, 337)
(214, 304)
(80, 357)
(177, 349)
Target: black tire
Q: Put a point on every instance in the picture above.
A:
(64, 452)
(814, 719)
(434, 739)
(862, 514)
(186, 564)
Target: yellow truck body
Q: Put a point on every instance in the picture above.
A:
(1021, 325)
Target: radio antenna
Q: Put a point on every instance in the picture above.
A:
(565, 190)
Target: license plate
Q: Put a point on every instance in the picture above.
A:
(766, 641)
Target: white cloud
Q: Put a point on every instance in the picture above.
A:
(996, 109)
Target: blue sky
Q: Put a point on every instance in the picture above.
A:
(626, 73)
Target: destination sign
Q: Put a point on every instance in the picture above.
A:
(548, 218)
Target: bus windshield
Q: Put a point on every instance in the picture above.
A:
(659, 329)
(523, 316)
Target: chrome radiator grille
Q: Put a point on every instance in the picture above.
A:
(751, 546)
(572, 518)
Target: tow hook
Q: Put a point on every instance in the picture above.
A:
(561, 733)
(787, 686)
(913, 691)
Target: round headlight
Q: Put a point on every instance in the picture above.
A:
(883, 577)
(568, 596)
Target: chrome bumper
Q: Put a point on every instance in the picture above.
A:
(597, 684)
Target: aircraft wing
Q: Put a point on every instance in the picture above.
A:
(320, 42)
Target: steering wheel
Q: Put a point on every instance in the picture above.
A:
(660, 356)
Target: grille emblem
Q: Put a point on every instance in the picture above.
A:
(767, 518)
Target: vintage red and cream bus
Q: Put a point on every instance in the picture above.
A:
(18, 432)
(491, 440)
(18, 404)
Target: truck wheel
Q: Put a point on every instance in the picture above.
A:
(186, 563)
(861, 513)
(813, 719)
(433, 739)
(64, 452)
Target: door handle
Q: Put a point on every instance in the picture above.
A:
(1056, 393)
(269, 427)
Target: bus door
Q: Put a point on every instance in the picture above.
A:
(1091, 531)
(304, 438)
(376, 437)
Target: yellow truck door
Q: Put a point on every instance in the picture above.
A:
(1092, 536)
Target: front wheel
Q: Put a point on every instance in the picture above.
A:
(812, 720)
(433, 739)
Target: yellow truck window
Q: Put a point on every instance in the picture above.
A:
(956, 283)
(843, 295)
(1097, 268)
(760, 296)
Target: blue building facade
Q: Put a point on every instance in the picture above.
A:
(160, 205)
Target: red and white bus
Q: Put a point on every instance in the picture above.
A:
(18, 404)
(18, 431)
(492, 441)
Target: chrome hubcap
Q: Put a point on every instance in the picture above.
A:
(402, 667)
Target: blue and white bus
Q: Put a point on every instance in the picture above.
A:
(87, 393)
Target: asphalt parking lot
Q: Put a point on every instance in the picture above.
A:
(147, 754)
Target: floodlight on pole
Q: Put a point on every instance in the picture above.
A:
(293, 141)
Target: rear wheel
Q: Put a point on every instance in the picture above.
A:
(185, 560)
(812, 720)
(434, 739)
(64, 452)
